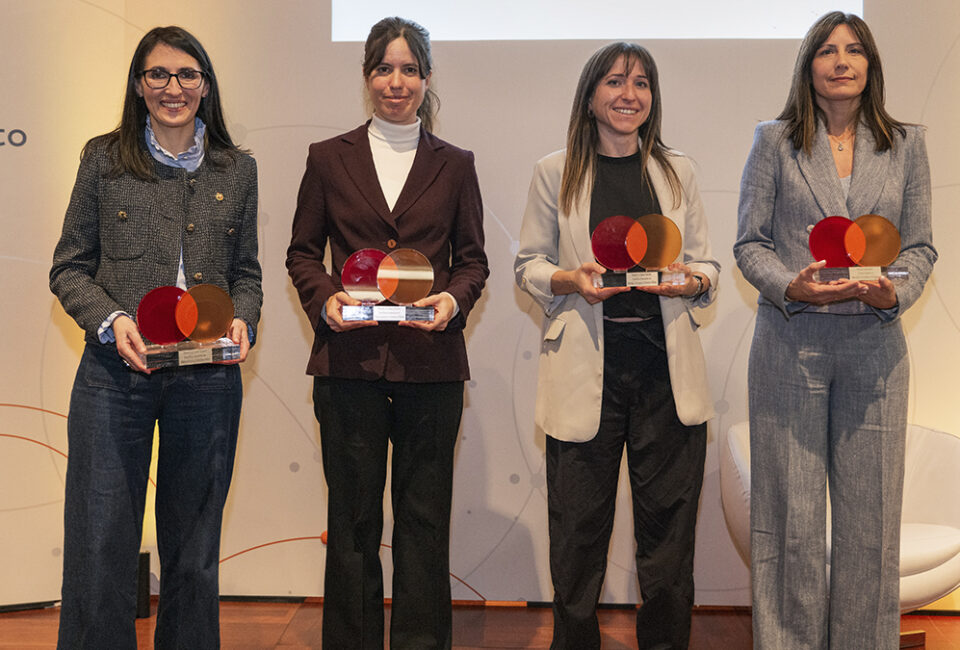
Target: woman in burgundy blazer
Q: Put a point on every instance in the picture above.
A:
(389, 184)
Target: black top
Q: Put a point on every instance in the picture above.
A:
(621, 189)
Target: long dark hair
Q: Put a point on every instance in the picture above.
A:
(418, 40)
(801, 112)
(126, 140)
(582, 136)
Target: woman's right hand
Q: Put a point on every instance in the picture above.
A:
(334, 318)
(130, 344)
(580, 280)
(804, 288)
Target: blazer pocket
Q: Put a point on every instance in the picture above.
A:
(552, 333)
(124, 230)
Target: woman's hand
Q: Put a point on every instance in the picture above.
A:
(334, 317)
(881, 294)
(689, 288)
(804, 288)
(442, 304)
(580, 280)
(130, 344)
(239, 334)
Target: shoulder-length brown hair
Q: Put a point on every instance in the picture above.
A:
(418, 40)
(582, 136)
(126, 140)
(801, 112)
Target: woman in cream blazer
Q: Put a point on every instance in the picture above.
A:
(612, 378)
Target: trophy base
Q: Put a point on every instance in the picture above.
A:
(861, 273)
(386, 313)
(190, 353)
(638, 279)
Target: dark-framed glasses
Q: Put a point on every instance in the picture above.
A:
(158, 78)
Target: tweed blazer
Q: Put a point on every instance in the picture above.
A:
(122, 236)
(570, 373)
(438, 212)
(784, 192)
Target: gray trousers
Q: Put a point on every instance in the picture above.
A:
(828, 405)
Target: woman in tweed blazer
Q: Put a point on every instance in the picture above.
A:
(165, 199)
(828, 373)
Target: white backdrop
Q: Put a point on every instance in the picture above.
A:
(286, 85)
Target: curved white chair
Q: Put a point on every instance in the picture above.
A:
(930, 528)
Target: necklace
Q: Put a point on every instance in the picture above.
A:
(841, 142)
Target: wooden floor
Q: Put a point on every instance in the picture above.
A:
(249, 625)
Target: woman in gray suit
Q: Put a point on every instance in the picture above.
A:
(166, 198)
(619, 369)
(828, 369)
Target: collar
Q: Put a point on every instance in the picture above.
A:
(189, 159)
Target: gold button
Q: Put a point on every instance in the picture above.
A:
(391, 243)
(192, 181)
(231, 231)
(198, 276)
(122, 215)
(219, 196)
(190, 227)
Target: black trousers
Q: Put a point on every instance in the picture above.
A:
(357, 421)
(665, 462)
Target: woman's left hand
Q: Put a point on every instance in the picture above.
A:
(442, 304)
(689, 288)
(880, 294)
(238, 334)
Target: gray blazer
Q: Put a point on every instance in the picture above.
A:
(570, 374)
(122, 236)
(784, 193)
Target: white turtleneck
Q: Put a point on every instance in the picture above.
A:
(394, 146)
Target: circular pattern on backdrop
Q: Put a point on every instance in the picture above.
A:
(664, 241)
(405, 276)
(359, 275)
(204, 313)
(156, 315)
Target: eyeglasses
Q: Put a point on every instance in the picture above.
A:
(158, 78)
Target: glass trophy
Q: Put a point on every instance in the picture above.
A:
(186, 327)
(402, 277)
(632, 251)
(861, 249)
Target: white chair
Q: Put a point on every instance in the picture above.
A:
(930, 528)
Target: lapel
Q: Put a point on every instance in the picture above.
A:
(820, 172)
(869, 174)
(578, 225)
(358, 162)
(426, 166)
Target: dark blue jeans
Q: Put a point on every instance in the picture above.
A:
(110, 432)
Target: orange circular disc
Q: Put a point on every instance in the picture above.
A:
(855, 242)
(214, 313)
(405, 276)
(882, 240)
(664, 241)
(636, 242)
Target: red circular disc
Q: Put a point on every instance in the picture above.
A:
(210, 313)
(609, 243)
(156, 315)
(359, 275)
(826, 241)
(405, 276)
(664, 241)
(882, 240)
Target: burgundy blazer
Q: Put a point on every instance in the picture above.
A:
(438, 213)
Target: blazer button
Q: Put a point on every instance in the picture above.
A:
(391, 243)
(122, 215)
(190, 227)
(198, 276)
(219, 196)
(232, 231)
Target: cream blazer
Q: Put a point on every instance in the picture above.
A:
(570, 375)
